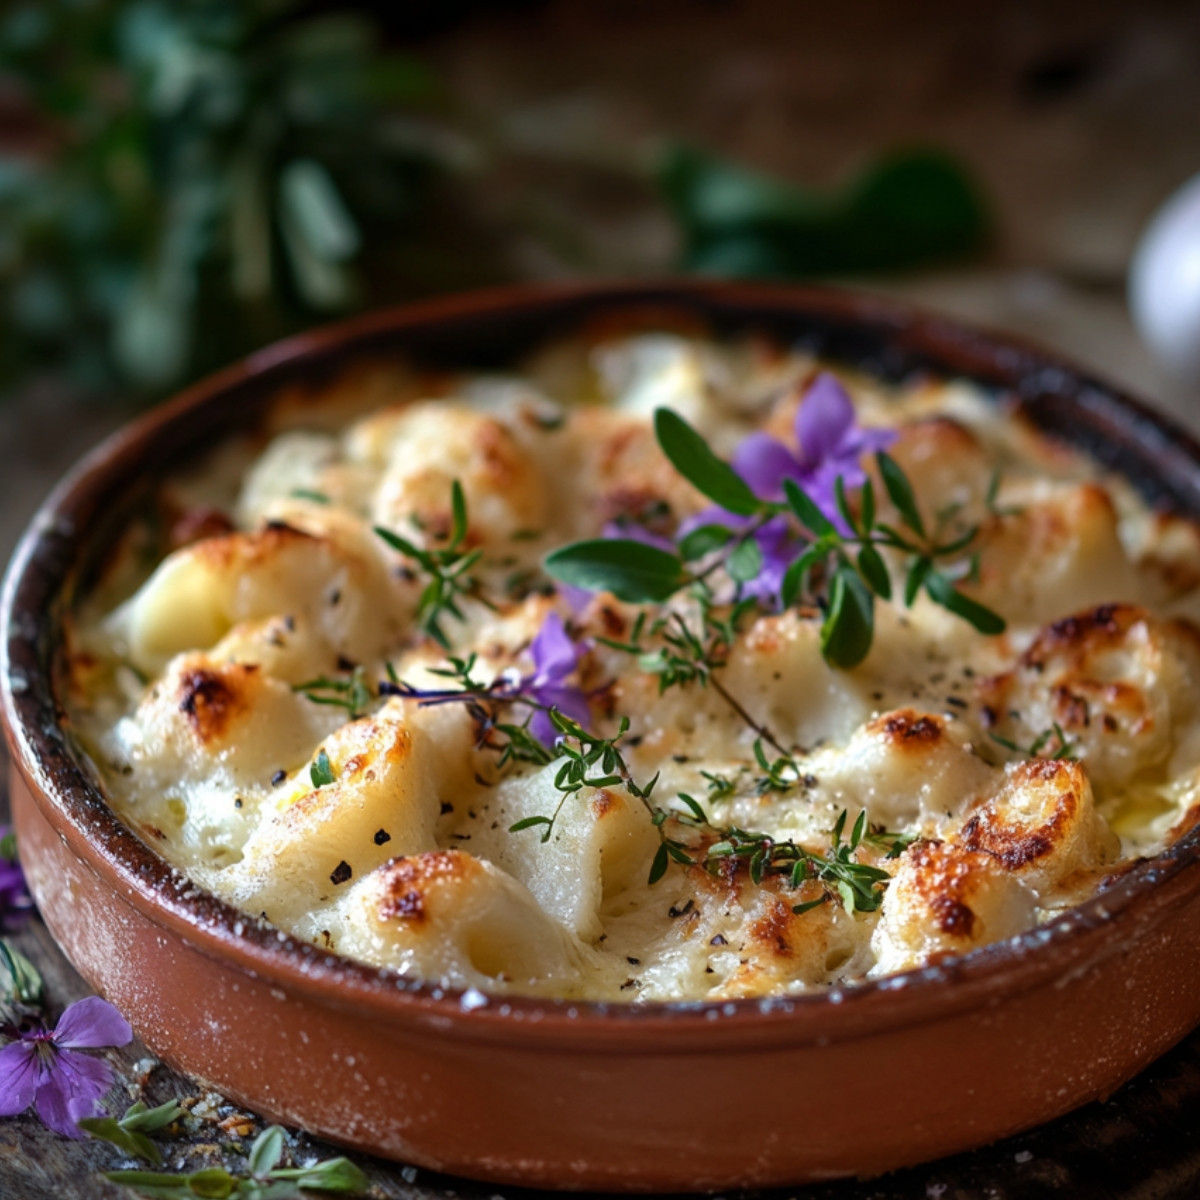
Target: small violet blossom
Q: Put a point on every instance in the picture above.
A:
(555, 657)
(45, 1067)
(15, 901)
(829, 446)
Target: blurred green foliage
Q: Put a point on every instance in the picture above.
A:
(202, 179)
(183, 181)
(906, 208)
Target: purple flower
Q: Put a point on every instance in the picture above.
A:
(15, 900)
(44, 1067)
(779, 548)
(555, 657)
(830, 446)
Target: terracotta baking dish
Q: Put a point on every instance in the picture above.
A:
(658, 1097)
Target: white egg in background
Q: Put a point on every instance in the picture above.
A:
(1164, 283)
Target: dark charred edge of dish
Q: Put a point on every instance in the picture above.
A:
(77, 524)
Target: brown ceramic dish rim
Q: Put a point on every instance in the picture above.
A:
(48, 556)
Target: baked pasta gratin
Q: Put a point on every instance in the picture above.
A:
(666, 669)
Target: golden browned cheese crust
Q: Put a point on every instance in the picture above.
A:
(241, 697)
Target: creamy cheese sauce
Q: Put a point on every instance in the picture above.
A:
(1023, 769)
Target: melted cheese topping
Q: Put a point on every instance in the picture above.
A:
(183, 687)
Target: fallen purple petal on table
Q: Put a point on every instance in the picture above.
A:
(47, 1069)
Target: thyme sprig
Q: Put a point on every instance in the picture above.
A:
(1065, 750)
(353, 694)
(841, 570)
(264, 1178)
(481, 699)
(589, 761)
(687, 653)
(779, 774)
(448, 569)
(858, 885)
(693, 650)
(720, 787)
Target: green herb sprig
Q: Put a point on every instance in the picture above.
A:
(779, 774)
(686, 653)
(20, 983)
(264, 1179)
(720, 787)
(207, 178)
(859, 886)
(448, 569)
(692, 651)
(589, 761)
(1065, 750)
(129, 1133)
(481, 700)
(840, 572)
(353, 694)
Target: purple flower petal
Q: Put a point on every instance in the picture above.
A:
(20, 1071)
(91, 1022)
(764, 463)
(70, 1090)
(554, 654)
(868, 441)
(821, 487)
(779, 550)
(570, 701)
(15, 900)
(577, 598)
(711, 516)
(542, 728)
(823, 420)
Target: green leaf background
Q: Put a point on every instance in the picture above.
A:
(903, 209)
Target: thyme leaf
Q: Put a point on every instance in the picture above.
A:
(1064, 752)
(448, 570)
(857, 885)
(353, 694)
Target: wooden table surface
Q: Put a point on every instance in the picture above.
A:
(1078, 120)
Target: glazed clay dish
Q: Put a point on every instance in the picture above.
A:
(978, 971)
